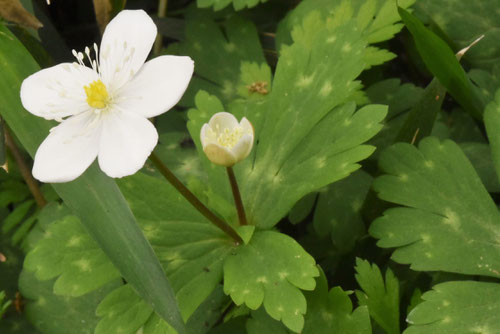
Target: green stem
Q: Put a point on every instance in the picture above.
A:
(25, 170)
(162, 12)
(237, 196)
(191, 198)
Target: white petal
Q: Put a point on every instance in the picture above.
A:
(69, 149)
(157, 87)
(219, 155)
(126, 142)
(125, 45)
(205, 138)
(246, 125)
(223, 120)
(57, 92)
(243, 148)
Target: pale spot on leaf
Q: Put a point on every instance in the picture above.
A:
(429, 164)
(331, 39)
(326, 89)
(262, 279)
(230, 47)
(283, 275)
(83, 265)
(73, 241)
(451, 219)
(305, 81)
(346, 47)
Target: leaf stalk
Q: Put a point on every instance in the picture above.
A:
(237, 196)
(191, 198)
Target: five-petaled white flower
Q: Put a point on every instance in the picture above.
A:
(225, 141)
(104, 109)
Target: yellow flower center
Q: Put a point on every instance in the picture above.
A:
(229, 137)
(97, 95)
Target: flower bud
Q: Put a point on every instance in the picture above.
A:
(225, 141)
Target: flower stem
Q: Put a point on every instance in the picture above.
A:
(25, 171)
(162, 12)
(237, 197)
(191, 198)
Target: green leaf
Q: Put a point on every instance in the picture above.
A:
(302, 208)
(220, 54)
(17, 215)
(255, 80)
(275, 269)
(261, 323)
(3, 304)
(302, 126)
(421, 118)
(298, 134)
(13, 192)
(52, 314)
(69, 253)
(491, 122)
(122, 311)
(332, 311)
(337, 213)
(459, 308)
(93, 197)
(220, 4)
(3, 156)
(382, 298)
(462, 127)
(450, 221)
(442, 62)
(191, 249)
(463, 22)
(400, 98)
(377, 19)
(480, 157)
(487, 81)
(305, 123)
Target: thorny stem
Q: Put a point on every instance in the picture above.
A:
(25, 171)
(174, 181)
(237, 197)
(162, 12)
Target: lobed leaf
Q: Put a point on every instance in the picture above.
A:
(191, 249)
(306, 124)
(337, 213)
(450, 222)
(220, 4)
(270, 271)
(381, 297)
(122, 311)
(69, 253)
(219, 55)
(457, 307)
(332, 311)
(54, 314)
(378, 21)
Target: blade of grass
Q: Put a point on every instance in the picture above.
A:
(442, 62)
(94, 197)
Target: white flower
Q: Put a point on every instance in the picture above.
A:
(225, 141)
(104, 110)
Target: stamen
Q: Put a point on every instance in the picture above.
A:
(97, 63)
(77, 56)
